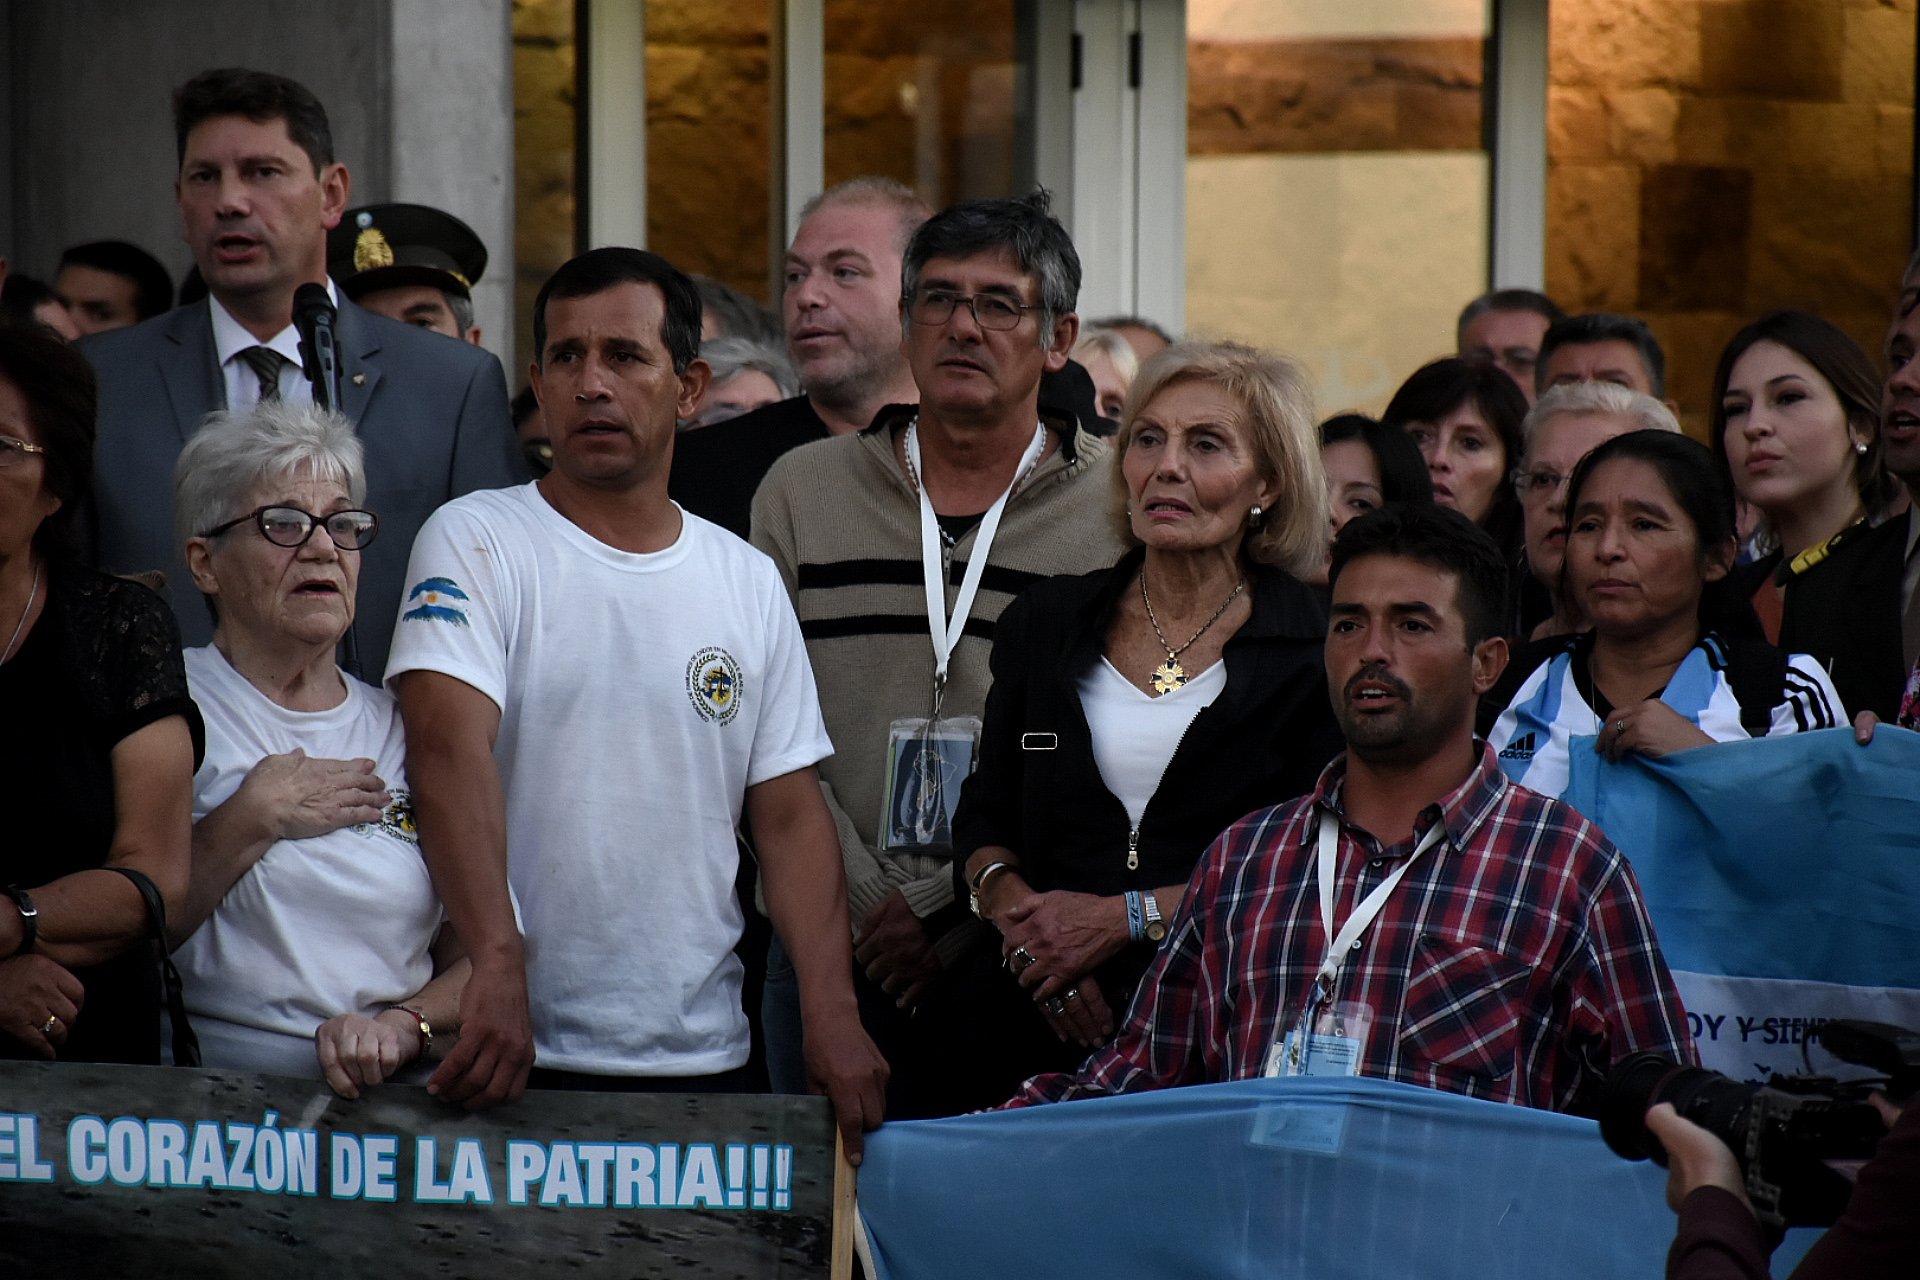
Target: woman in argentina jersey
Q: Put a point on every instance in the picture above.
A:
(1675, 658)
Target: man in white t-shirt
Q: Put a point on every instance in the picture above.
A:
(597, 687)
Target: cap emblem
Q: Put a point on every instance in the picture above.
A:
(370, 250)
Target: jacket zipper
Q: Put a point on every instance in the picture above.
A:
(1133, 836)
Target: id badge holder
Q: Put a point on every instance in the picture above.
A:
(1332, 1042)
(927, 760)
(1329, 1041)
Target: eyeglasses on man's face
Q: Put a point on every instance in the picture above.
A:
(291, 527)
(990, 311)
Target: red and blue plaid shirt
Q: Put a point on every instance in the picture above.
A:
(1516, 949)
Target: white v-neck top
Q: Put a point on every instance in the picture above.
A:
(1135, 734)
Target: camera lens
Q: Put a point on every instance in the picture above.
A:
(1642, 1080)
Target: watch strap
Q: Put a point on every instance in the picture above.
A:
(1156, 928)
(29, 918)
(426, 1028)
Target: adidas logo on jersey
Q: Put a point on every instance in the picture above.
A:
(1521, 748)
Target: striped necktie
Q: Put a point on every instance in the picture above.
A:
(266, 364)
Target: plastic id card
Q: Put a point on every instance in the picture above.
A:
(1333, 1047)
(927, 760)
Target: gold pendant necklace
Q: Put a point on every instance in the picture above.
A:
(1170, 675)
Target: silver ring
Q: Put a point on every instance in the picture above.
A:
(1022, 955)
(1072, 994)
(1619, 726)
(53, 1020)
(1057, 1004)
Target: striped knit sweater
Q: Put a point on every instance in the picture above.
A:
(842, 522)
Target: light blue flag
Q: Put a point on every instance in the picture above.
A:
(1783, 878)
(1283, 1179)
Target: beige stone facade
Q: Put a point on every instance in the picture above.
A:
(1712, 159)
(543, 155)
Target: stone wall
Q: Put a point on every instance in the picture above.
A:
(709, 120)
(1711, 159)
(1336, 186)
(90, 131)
(1255, 96)
(544, 96)
(923, 94)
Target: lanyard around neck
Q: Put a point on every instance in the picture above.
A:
(944, 630)
(1368, 908)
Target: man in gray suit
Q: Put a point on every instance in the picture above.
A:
(258, 190)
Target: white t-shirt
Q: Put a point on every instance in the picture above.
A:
(339, 923)
(640, 696)
(1136, 734)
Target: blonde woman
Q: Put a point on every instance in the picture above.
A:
(1138, 711)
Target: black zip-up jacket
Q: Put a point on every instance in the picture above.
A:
(1037, 789)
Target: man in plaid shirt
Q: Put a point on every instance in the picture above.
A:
(1511, 960)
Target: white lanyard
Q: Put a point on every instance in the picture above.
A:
(945, 637)
(1365, 912)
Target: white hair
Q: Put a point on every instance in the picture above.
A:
(233, 452)
(731, 355)
(1112, 344)
(1580, 399)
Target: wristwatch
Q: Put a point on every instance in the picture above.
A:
(426, 1028)
(980, 882)
(29, 917)
(1156, 929)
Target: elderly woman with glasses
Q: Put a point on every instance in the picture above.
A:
(99, 748)
(311, 926)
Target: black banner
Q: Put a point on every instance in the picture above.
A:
(113, 1171)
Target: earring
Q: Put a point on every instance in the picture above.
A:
(1859, 446)
(1253, 518)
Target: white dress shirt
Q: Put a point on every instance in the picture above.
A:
(230, 338)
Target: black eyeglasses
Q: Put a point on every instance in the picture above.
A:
(291, 527)
(935, 306)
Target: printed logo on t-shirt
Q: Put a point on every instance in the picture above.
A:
(396, 820)
(1521, 748)
(713, 683)
(437, 597)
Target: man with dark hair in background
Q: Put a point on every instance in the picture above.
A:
(725, 312)
(110, 284)
(27, 301)
(868, 528)
(258, 189)
(1602, 347)
(1418, 917)
(610, 805)
(1505, 327)
(1147, 338)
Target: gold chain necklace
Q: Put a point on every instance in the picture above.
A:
(1170, 675)
(32, 591)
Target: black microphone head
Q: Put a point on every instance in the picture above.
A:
(311, 301)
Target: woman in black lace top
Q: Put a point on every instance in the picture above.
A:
(99, 744)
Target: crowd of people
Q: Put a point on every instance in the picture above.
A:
(1084, 716)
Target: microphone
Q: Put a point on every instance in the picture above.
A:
(314, 315)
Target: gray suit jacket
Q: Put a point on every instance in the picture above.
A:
(431, 411)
